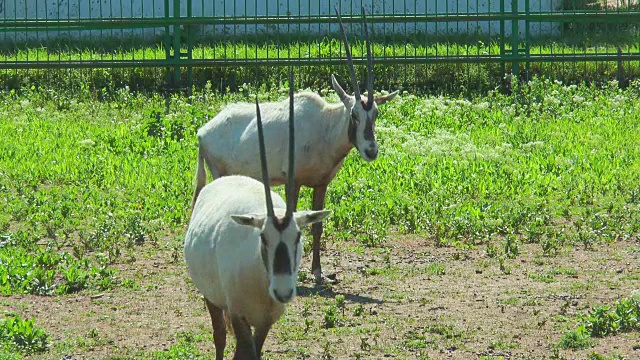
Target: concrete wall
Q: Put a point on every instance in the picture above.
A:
(108, 9)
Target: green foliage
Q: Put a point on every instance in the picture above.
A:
(334, 313)
(511, 249)
(22, 335)
(86, 178)
(596, 356)
(601, 321)
(47, 272)
(436, 269)
(186, 347)
(576, 339)
(330, 319)
(624, 316)
(599, 29)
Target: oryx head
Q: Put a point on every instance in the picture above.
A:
(363, 110)
(280, 236)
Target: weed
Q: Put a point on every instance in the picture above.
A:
(491, 250)
(502, 344)
(511, 249)
(596, 356)
(186, 347)
(603, 321)
(544, 277)
(504, 267)
(330, 318)
(549, 247)
(24, 335)
(340, 303)
(576, 339)
(435, 269)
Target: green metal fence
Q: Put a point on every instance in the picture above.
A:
(412, 39)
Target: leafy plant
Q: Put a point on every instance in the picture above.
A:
(576, 339)
(602, 321)
(330, 317)
(24, 335)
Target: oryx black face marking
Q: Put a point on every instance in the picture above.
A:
(353, 127)
(263, 252)
(296, 246)
(368, 134)
(281, 262)
(368, 131)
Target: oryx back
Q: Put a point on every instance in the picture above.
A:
(229, 141)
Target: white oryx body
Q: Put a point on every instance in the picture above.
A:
(224, 258)
(229, 144)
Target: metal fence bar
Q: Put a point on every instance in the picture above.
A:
(284, 62)
(123, 23)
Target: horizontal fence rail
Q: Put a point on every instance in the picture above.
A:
(183, 35)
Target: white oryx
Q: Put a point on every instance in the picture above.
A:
(326, 132)
(243, 261)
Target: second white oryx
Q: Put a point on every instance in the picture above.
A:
(325, 133)
(245, 261)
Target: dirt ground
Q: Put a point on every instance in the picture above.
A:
(410, 300)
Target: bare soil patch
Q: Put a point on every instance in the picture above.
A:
(408, 300)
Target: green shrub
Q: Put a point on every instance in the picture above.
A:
(23, 335)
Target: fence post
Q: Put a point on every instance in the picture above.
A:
(503, 63)
(515, 65)
(176, 44)
(190, 36)
(167, 45)
(527, 38)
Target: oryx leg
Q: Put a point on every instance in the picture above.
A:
(245, 345)
(260, 336)
(219, 329)
(319, 193)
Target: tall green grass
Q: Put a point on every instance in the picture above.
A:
(84, 181)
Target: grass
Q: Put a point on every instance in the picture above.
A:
(448, 78)
(88, 181)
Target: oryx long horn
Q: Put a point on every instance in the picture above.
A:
(369, 61)
(291, 202)
(263, 162)
(354, 80)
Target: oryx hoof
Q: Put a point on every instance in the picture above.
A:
(322, 279)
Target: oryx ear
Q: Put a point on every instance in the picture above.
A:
(309, 217)
(381, 99)
(254, 220)
(340, 91)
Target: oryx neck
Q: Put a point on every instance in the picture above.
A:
(339, 134)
